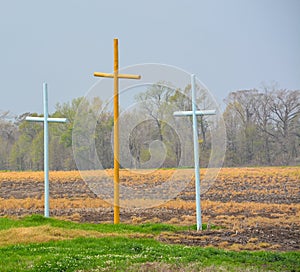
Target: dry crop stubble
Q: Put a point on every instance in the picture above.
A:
(242, 200)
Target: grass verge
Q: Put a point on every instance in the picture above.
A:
(38, 220)
(114, 251)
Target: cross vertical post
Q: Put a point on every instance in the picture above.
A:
(46, 153)
(196, 157)
(116, 77)
(46, 120)
(116, 135)
(194, 113)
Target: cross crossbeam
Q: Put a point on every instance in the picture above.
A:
(49, 120)
(196, 113)
(46, 120)
(116, 77)
(99, 74)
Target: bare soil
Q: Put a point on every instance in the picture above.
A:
(257, 209)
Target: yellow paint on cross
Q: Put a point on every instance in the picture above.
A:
(116, 77)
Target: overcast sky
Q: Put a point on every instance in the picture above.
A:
(228, 44)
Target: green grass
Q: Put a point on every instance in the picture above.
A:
(148, 228)
(129, 254)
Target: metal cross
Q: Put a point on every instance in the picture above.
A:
(116, 77)
(46, 120)
(194, 113)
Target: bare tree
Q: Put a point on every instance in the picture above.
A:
(263, 127)
(243, 104)
(285, 109)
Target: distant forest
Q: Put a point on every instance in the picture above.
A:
(262, 128)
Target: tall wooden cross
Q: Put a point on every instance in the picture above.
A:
(46, 120)
(116, 77)
(196, 113)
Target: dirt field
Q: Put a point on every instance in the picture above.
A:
(258, 208)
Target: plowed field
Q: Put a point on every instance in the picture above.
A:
(258, 208)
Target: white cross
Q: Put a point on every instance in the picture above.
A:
(194, 113)
(46, 120)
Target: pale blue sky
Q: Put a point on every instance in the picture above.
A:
(229, 45)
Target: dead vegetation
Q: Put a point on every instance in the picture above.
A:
(258, 208)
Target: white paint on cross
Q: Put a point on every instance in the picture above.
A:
(46, 120)
(196, 113)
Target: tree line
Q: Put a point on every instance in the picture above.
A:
(262, 128)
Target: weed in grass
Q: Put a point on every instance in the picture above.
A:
(120, 253)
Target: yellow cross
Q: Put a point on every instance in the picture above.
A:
(116, 77)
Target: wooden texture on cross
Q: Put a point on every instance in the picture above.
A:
(116, 77)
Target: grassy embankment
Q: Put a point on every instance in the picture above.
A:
(35, 243)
